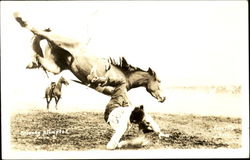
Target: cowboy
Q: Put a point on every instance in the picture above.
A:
(119, 112)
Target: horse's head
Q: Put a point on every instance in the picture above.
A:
(154, 86)
(64, 81)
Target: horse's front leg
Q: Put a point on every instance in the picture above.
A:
(48, 101)
(57, 100)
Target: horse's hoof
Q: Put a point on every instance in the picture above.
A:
(32, 65)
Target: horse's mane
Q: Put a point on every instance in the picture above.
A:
(123, 65)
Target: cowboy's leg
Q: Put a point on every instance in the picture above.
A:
(119, 131)
(106, 75)
(93, 78)
(114, 141)
(107, 79)
(107, 90)
(105, 84)
(104, 79)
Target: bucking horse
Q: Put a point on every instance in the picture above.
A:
(63, 53)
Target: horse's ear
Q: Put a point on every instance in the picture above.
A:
(141, 107)
(47, 30)
(124, 62)
(150, 71)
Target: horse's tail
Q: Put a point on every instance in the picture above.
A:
(24, 24)
(19, 19)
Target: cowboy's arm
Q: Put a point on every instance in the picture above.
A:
(155, 126)
(152, 123)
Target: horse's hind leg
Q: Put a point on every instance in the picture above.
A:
(55, 39)
(48, 65)
(47, 103)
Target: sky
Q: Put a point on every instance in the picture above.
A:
(186, 43)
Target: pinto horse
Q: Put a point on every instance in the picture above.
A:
(54, 91)
(68, 54)
(119, 113)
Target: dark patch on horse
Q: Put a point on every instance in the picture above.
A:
(64, 59)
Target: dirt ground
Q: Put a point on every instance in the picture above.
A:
(75, 131)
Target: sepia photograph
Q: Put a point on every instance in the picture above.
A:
(124, 79)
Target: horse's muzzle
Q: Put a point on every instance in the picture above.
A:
(162, 99)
